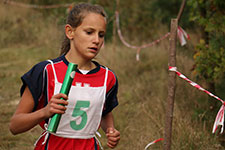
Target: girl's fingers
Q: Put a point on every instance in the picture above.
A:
(58, 99)
(113, 135)
(113, 141)
(113, 138)
(112, 144)
(54, 101)
(60, 95)
(56, 105)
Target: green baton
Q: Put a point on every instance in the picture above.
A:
(67, 82)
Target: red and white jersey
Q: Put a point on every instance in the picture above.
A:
(41, 80)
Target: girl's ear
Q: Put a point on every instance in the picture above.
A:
(69, 31)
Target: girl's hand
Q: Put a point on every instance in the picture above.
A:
(55, 105)
(113, 137)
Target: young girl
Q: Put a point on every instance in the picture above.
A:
(92, 97)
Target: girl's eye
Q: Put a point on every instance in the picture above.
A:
(101, 35)
(89, 32)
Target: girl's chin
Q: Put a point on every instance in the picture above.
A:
(90, 56)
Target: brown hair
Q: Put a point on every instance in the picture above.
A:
(75, 18)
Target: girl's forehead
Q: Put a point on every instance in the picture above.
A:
(94, 19)
(93, 16)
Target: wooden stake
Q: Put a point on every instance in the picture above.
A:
(171, 85)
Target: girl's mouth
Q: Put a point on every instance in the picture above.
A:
(93, 48)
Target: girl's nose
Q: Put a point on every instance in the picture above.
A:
(96, 39)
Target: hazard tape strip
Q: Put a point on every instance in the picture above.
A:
(132, 46)
(182, 36)
(153, 142)
(181, 33)
(220, 115)
(37, 6)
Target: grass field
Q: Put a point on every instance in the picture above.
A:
(140, 116)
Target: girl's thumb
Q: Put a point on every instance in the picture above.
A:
(110, 130)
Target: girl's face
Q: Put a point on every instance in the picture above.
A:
(89, 36)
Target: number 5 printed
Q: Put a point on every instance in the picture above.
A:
(78, 112)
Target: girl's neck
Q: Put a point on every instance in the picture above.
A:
(82, 63)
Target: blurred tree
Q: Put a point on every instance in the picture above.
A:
(210, 51)
(164, 11)
(210, 54)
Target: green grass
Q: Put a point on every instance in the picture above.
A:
(140, 116)
(14, 63)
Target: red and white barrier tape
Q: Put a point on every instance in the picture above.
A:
(132, 46)
(37, 6)
(182, 36)
(153, 142)
(220, 115)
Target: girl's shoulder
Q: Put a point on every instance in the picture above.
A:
(112, 80)
(103, 68)
(41, 66)
(111, 73)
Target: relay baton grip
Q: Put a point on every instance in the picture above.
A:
(67, 82)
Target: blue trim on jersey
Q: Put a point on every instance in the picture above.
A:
(96, 146)
(47, 142)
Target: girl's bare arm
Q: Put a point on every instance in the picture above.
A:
(24, 118)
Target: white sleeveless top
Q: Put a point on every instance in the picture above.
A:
(84, 111)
